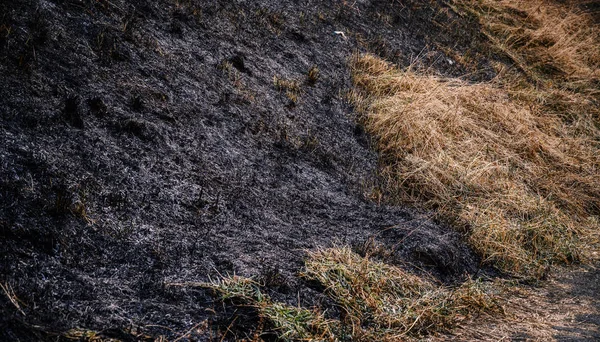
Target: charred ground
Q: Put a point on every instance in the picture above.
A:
(144, 143)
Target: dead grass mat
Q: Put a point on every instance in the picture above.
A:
(517, 179)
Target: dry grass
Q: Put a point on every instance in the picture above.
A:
(546, 39)
(556, 47)
(382, 302)
(290, 323)
(379, 302)
(12, 297)
(523, 183)
(313, 75)
(290, 87)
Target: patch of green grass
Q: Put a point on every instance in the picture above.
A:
(288, 322)
(293, 323)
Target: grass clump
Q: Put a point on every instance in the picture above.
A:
(523, 183)
(548, 40)
(313, 75)
(378, 301)
(288, 322)
(555, 48)
(293, 323)
(291, 88)
(382, 302)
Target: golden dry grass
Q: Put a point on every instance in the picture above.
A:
(525, 187)
(378, 301)
(545, 38)
(556, 50)
(382, 302)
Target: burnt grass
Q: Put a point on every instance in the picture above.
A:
(144, 143)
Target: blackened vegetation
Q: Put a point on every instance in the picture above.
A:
(129, 160)
(71, 111)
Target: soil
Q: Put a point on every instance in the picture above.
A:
(565, 308)
(145, 143)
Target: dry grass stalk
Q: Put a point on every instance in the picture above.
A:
(12, 297)
(524, 184)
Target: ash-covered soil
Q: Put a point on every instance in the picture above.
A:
(144, 143)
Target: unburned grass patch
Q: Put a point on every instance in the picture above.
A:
(378, 301)
(382, 302)
(291, 88)
(554, 48)
(555, 52)
(548, 40)
(523, 184)
(288, 322)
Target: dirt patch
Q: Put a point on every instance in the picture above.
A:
(563, 309)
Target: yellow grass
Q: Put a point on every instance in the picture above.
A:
(546, 38)
(524, 187)
(378, 301)
(382, 302)
(556, 50)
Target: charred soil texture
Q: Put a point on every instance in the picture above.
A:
(144, 143)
